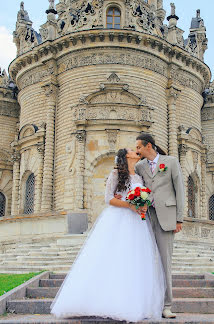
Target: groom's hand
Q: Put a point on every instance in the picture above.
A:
(118, 196)
(133, 208)
(178, 228)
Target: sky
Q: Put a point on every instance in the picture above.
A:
(185, 10)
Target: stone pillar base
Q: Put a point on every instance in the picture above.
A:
(77, 222)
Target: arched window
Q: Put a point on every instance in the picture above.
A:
(191, 197)
(211, 208)
(2, 204)
(29, 195)
(113, 18)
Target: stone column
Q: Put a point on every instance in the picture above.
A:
(204, 198)
(48, 172)
(172, 95)
(39, 176)
(16, 182)
(80, 167)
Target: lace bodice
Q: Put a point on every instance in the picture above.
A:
(111, 185)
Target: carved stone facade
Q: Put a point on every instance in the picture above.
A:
(85, 90)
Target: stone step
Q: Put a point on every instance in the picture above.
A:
(193, 254)
(50, 292)
(50, 282)
(189, 250)
(193, 305)
(174, 276)
(38, 263)
(175, 282)
(191, 269)
(42, 292)
(192, 283)
(180, 305)
(197, 263)
(45, 258)
(189, 292)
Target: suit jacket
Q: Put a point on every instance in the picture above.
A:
(167, 190)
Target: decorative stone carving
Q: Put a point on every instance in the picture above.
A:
(143, 16)
(41, 148)
(112, 138)
(4, 79)
(25, 37)
(71, 149)
(113, 78)
(182, 149)
(15, 157)
(197, 40)
(195, 159)
(81, 135)
(36, 76)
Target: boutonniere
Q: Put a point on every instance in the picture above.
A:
(162, 168)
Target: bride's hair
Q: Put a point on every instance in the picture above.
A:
(123, 171)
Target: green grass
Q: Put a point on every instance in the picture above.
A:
(10, 281)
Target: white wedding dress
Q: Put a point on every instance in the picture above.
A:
(118, 273)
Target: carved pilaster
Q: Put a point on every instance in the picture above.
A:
(183, 149)
(39, 177)
(48, 172)
(80, 167)
(172, 94)
(203, 187)
(16, 180)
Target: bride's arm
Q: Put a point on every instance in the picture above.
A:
(111, 186)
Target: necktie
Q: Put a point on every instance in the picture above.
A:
(152, 168)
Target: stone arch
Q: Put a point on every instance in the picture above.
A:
(113, 94)
(195, 134)
(95, 179)
(27, 130)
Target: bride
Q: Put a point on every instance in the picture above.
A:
(118, 273)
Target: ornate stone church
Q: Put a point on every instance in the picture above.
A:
(96, 75)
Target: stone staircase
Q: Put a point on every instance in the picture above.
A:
(193, 299)
(58, 254)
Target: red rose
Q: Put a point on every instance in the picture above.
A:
(162, 166)
(137, 191)
(148, 190)
(131, 197)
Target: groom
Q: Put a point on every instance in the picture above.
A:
(162, 174)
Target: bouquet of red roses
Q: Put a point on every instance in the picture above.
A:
(139, 197)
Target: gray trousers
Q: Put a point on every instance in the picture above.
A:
(164, 241)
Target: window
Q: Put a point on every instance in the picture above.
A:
(113, 18)
(191, 197)
(2, 204)
(211, 208)
(29, 195)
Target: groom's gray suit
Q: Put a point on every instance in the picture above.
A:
(168, 193)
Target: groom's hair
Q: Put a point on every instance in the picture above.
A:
(146, 138)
